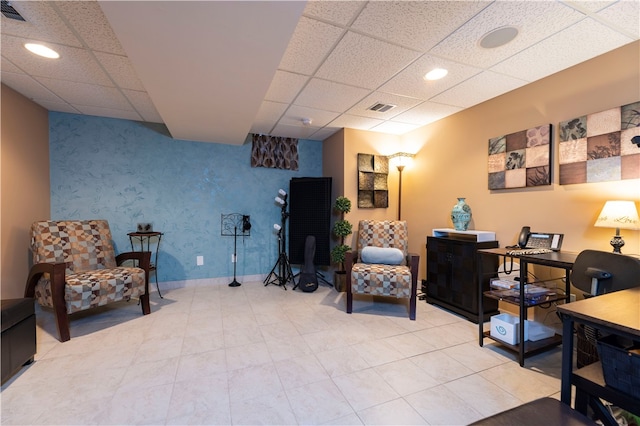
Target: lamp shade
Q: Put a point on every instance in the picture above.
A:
(401, 158)
(619, 215)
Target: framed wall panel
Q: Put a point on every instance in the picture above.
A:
(597, 147)
(373, 171)
(520, 159)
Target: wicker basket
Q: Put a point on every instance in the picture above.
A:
(620, 367)
(587, 351)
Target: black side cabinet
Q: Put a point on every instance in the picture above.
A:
(452, 276)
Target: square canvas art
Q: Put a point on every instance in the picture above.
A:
(372, 181)
(520, 159)
(598, 148)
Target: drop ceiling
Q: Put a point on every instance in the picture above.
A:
(215, 71)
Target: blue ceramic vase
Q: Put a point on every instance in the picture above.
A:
(461, 215)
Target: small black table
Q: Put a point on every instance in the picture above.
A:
(613, 313)
(138, 239)
(560, 260)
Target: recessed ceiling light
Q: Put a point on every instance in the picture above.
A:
(498, 37)
(436, 74)
(41, 50)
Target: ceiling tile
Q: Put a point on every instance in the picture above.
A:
(394, 128)
(74, 64)
(402, 104)
(58, 106)
(340, 12)
(310, 44)
(108, 112)
(590, 6)
(7, 65)
(576, 44)
(29, 87)
(267, 117)
(285, 86)
(295, 114)
(87, 94)
(120, 70)
(324, 133)
(143, 104)
(355, 122)
(624, 15)
(294, 131)
(89, 22)
(419, 25)
(330, 96)
(478, 88)
(42, 23)
(534, 20)
(411, 82)
(365, 62)
(426, 113)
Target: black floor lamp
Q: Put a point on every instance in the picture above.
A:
(401, 159)
(235, 225)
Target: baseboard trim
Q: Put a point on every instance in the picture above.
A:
(204, 282)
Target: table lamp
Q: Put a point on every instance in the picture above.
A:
(618, 214)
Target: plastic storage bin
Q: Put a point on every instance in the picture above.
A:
(506, 327)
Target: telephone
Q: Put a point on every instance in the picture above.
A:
(539, 240)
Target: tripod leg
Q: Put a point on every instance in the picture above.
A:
(280, 279)
(322, 278)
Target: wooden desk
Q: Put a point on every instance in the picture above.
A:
(614, 313)
(561, 260)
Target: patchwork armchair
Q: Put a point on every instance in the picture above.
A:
(381, 264)
(75, 268)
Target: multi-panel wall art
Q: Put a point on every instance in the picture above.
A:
(372, 181)
(520, 159)
(598, 148)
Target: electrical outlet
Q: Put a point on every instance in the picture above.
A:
(199, 260)
(572, 297)
(234, 259)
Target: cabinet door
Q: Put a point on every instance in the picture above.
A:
(463, 284)
(438, 269)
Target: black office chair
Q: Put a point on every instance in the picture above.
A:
(599, 272)
(595, 273)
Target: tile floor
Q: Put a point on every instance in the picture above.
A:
(261, 355)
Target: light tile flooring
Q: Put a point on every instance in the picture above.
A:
(262, 355)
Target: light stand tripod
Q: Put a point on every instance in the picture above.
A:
(284, 273)
(235, 221)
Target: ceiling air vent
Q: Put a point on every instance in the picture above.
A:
(10, 12)
(379, 107)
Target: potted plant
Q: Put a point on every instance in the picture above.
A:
(341, 229)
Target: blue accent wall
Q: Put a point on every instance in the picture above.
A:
(129, 172)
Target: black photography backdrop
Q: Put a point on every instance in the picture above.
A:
(310, 207)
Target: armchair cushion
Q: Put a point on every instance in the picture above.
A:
(381, 280)
(383, 255)
(94, 288)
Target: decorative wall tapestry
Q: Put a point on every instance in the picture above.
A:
(598, 148)
(372, 181)
(274, 152)
(521, 159)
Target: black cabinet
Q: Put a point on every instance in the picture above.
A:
(452, 276)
